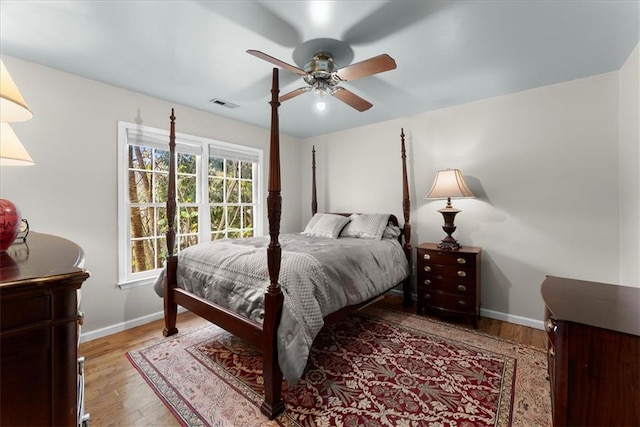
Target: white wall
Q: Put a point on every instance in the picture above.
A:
(630, 170)
(71, 190)
(542, 163)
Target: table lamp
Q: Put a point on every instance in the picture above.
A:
(447, 184)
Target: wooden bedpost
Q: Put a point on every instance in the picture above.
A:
(273, 298)
(170, 306)
(314, 196)
(406, 210)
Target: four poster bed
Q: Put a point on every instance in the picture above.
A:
(284, 328)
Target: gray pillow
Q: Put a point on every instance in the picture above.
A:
(366, 226)
(325, 225)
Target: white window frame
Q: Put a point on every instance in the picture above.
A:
(202, 148)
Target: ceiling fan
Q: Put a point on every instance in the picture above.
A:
(322, 76)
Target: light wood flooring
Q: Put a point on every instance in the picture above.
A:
(117, 395)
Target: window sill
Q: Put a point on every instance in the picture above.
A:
(136, 283)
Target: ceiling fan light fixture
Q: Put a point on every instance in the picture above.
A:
(320, 91)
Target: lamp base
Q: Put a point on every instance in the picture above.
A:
(445, 245)
(449, 243)
(9, 223)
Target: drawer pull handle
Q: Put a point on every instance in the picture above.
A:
(427, 268)
(462, 273)
(461, 261)
(551, 325)
(426, 256)
(462, 288)
(427, 282)
(427, 296)
(552, 352)
(460, 302)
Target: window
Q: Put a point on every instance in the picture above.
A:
(217, 191)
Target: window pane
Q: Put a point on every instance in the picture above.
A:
(187, 189)
(246, 170)
(216, 166)
(233, 217)
(161, 252)
(161, 160)
(246, 194)
(139, 157)
(142, 255)
(142, 222)
(215, 190)
(162, 221)
(186, 163)
(248, 232)
(218, 222)
(188, 220)
(140, 187)
(247, 217)
(232, 168)
(235, 234)
(232, 190)
(160, 187)
(217, 236)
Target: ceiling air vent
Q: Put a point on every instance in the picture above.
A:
(223, 103)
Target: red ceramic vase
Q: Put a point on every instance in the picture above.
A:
(9, 223)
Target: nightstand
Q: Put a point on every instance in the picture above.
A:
(449, 281)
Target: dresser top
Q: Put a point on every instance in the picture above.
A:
(40, 258)
(601, 305)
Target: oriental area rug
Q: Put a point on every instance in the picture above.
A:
(377, 368)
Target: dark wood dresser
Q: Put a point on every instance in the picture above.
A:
(449, 281)
(39, 318)
(593, 334)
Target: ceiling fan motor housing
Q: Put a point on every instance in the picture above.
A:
(321, 67)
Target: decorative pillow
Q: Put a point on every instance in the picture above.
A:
(325, 225)
(391, 232)
(366, 226)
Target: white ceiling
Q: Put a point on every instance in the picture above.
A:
(447, 52)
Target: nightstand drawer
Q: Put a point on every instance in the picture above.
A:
(446, 258)
(448, 302)
(456, 287)
(448, 271)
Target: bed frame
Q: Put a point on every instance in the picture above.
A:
(262, 335)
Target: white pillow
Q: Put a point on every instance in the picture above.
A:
(325, 225)
(366, 226)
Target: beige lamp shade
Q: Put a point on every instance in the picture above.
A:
(12, 152)
(13, 108)
(448, 183)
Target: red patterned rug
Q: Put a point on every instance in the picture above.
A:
(378, 368)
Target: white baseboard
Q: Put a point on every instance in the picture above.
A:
(492, 314)
(119, 327)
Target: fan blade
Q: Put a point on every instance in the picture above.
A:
(294, 93)
(276, 61)
(351, 99)
(368, 67)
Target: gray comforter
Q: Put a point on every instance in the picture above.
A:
(318, 276)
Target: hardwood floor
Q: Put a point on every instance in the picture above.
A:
(117, 395)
